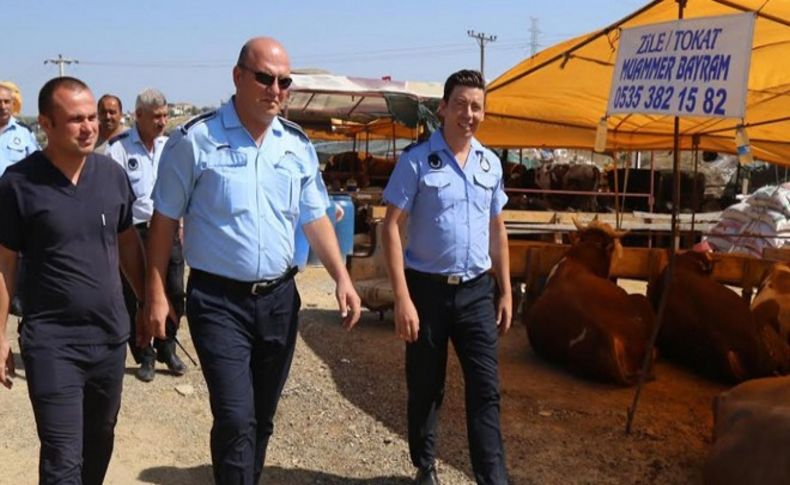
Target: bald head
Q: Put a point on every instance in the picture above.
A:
(260, 49)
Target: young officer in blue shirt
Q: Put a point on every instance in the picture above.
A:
(243, 179)
(69, 212)
(16, 139)
(450, 186)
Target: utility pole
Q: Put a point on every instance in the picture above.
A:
(534, 31)
(482, 39)
(61, 61)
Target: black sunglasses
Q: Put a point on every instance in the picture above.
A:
(267, 79)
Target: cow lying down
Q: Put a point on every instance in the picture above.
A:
(771, 306)
(585, 321)
(711, 328)
(751, 435)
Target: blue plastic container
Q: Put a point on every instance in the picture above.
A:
(304, 255)
(345, 226)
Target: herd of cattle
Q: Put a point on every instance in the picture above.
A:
(352, 171)
(584, 321)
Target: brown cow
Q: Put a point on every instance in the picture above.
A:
(709, 327)
(751, 435)
(771, 306)
(586, 321)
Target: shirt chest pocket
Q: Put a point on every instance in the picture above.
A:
(134, 170)
(284, 190)
(233, 181)
(438, 189)
(484, 187)
(15, 151)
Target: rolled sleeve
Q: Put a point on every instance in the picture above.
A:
(314, 199)
(175, 178)
(500, 198)
(402, 186)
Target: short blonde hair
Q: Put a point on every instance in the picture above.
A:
(15, 95)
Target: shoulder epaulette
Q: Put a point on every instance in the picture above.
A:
(412, 145)
(25, 126)
(290, 125)
(118, 137)
(197, 119)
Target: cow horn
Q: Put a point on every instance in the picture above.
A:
(578, 224)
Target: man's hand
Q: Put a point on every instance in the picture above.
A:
(504, 313)
(349, 303)
(7, 367)
(155, 313)
(407, 322)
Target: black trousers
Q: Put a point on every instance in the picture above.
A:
(466, 315)
(174, 289)
(76, 394)
(245, 343)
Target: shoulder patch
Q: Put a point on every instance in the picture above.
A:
(197, 119)
(118, 137)
(409, 147)
(293, 127)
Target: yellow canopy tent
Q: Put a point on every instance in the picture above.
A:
(557, 97)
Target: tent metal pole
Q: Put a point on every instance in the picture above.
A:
(670, 270)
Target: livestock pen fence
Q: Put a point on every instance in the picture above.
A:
(531, 261)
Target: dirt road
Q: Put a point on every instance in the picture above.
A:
(342, 417)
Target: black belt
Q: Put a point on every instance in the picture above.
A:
(453, 280)
(261, 287)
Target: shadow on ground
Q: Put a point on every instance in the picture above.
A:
(199, 475)
(367, 365)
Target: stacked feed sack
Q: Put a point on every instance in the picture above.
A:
(759, 222)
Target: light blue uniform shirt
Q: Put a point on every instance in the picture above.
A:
(16, 142)
(140, 165)
(449, 208)
(241, 204)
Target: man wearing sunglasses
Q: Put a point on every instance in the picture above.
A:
(243, 179)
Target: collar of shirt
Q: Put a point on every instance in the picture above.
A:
(437, 144)
(159, 141)
(239, 135)
(12, 125)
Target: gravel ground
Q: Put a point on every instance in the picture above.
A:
(342, 417)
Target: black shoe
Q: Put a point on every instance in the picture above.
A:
(175, 365)
(146, 371)
(427, 476)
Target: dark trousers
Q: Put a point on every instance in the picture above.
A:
(174, 289)
(76, 394)
(245, 343)
(466, 315)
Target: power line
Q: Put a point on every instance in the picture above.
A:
(482, 40)
(61, 61)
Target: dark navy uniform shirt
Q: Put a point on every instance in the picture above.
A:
(68, 235)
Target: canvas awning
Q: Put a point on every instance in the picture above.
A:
(557, 97)
(316, 99)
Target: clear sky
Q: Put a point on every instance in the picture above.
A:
(187, 48)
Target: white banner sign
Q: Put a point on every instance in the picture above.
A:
(696, 67)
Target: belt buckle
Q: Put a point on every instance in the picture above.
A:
(261, 286)
(453, 280)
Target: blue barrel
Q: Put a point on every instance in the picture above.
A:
(304, 255)
(345, 226)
